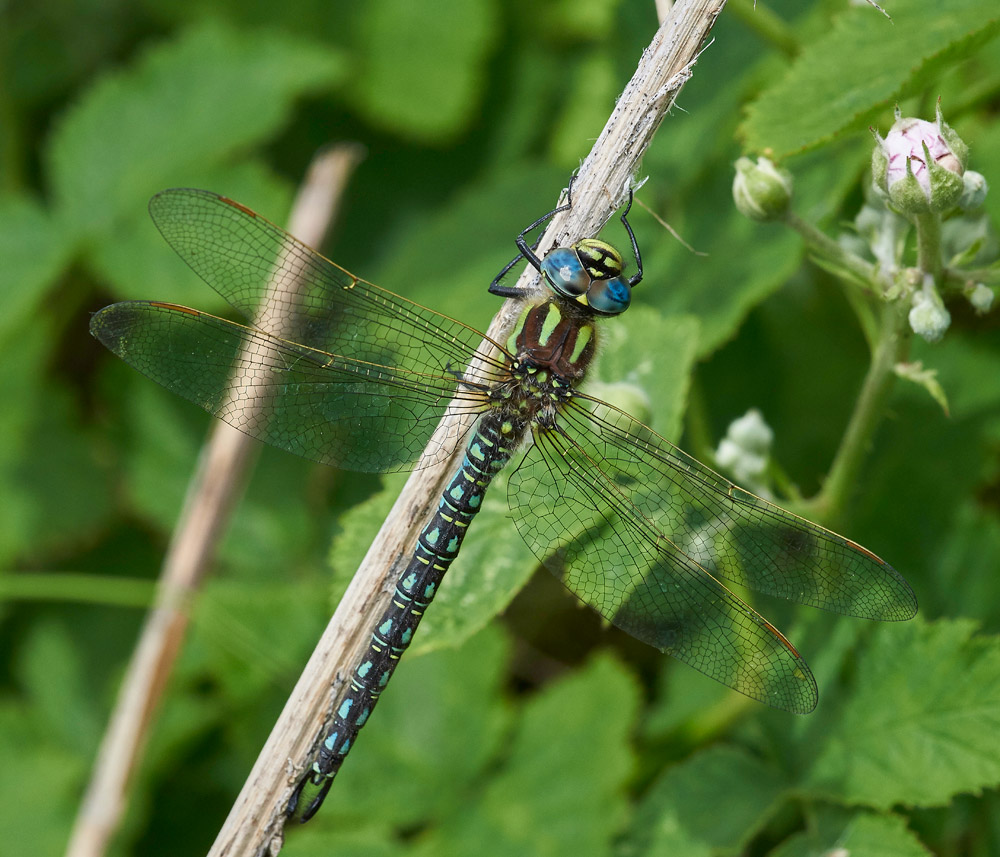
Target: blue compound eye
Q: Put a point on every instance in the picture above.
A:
(565, 272)
(609, 297)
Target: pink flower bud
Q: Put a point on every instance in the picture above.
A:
(920, 164)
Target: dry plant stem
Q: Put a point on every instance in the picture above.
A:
(212, 494)
(255, 824)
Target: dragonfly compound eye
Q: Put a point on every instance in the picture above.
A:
(565, 272)
(609, 297)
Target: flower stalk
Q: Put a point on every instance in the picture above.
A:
(919, 180)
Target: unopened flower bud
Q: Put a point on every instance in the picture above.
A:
(974, 189)
(981, 297)
(762, 191)
(928, 317)
(920, 164)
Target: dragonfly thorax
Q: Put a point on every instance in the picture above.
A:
(552, 346)
(554, 337)
(590, 274)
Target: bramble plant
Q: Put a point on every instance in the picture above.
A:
(919, 183)
(517, 724)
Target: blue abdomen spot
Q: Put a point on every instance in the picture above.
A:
(409, 581)
(385, 627)
(453, 545)
(429, 590)
(433, 536)
(383, 679)
(331, 741)
(475, 500)
(457, 492)
(406, 636)
(345, 708)
(345, 746)
(364, 669)
(363, 717)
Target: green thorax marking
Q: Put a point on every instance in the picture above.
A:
(555, 337)
(552, 319)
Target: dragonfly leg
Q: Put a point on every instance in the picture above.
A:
(637, 276)
(528, 252)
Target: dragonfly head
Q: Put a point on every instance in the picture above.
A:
(589, 273)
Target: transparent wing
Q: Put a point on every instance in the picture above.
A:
(335, 410)
(287, 289)
(644, 533)
(580, 523)
(730, 532)
(333, 368)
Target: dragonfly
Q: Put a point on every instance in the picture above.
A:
(334, 368)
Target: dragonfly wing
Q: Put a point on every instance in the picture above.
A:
(730, 532)
(334, 409)
(285, 288)
(582, 525)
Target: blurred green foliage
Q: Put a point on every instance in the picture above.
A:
(541, 733)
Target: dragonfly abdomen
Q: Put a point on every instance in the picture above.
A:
(488, 452)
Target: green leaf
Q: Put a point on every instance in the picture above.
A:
(41, 779)
(314, 839)
(33, 250)
(921, 725)
(651, 355)
(925, 378)
(860, 65)
(104, 589)
(279, 526)
(251, 634)
(160, 446)
(139, 265)
(745, 263)
(585, 109)
(51, 671)
(687, 805)
(357, 528)
(965, 565)
(563, 21)
(839, 831)
(968, 368)
(670, 838)
(423, 74)
(52, 490)
(184, 106)
(475, 231)
(562, 790)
